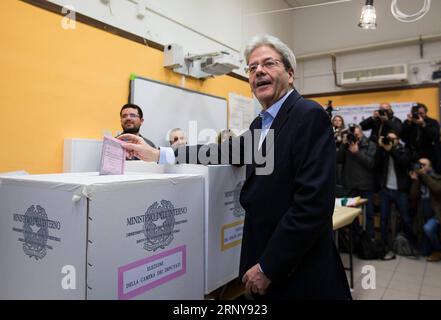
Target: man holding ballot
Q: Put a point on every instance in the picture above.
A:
(288, 250)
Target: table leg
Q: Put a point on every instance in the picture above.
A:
(363, 208)
(351, 266)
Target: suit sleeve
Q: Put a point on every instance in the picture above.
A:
(367, 124)
(228, 152)
(236, 151)
(310, 213)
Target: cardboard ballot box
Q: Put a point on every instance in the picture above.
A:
(224, 218)
(84, 236)
(145, 167)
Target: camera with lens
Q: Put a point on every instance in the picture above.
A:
(386, 141)
(417, 166)
(350, 135)
(382, 112)
(414, 111)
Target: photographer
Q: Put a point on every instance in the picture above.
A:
(394, 183)
(338, 124)
(382, 122)
(426, 189)
(420, 133)
(357, 156)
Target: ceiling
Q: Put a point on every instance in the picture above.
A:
(301, 3)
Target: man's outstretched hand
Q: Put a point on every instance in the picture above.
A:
(137, 147)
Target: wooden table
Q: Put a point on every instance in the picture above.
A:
(344, 216)
(362, 204)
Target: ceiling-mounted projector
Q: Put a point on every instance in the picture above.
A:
(198, 66)
(218, 65)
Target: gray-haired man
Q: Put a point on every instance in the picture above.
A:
(288, 250)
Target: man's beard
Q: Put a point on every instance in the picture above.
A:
(133, 130)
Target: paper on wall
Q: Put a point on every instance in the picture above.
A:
(241, 112)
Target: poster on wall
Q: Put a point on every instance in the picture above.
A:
(241, 112)
(358, 113)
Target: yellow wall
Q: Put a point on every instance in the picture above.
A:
(428, 96)
(58, 84)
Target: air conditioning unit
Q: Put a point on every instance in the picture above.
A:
(394, 74)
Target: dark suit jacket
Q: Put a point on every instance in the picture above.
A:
(288, 222)
(421, 141)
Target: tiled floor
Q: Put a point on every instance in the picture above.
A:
(398, 279)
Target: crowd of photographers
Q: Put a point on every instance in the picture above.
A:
(400, 163)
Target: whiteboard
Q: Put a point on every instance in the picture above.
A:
(166, 107)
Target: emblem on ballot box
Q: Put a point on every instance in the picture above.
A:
(236, 208)
(35, 231)
(159, 225)
(157, 234)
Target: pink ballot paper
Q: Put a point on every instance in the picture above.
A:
(113, 157)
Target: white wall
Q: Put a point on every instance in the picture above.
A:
(330, 27)
(200, 26)
(315, 75)
(277, 24)
(334, 28)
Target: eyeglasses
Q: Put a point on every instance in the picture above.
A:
(129, 115)
(268, 64)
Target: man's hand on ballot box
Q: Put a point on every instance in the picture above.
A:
(136, 146)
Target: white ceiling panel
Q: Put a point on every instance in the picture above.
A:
(301, 3)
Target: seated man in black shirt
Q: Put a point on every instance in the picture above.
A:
(131, 120)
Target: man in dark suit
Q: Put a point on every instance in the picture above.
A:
(288, 248)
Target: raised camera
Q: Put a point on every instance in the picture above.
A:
(417, 166)
(382, 112)
(414, 112)
(386, 141)
(350, 136)
(352, 128)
